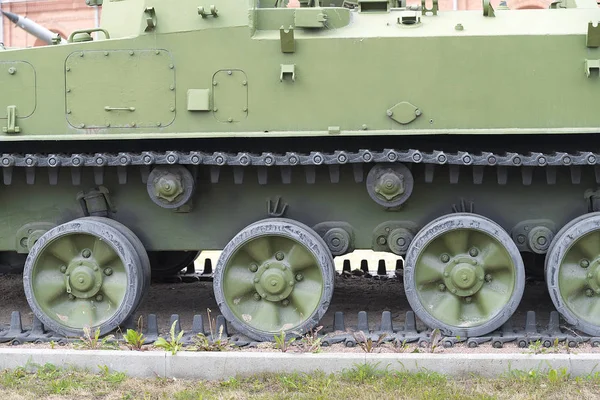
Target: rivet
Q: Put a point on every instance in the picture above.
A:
(68, 69)
(267, 266)
(158, 124)
(12, 70)
(80, 54)
(68, 111)
(157, 52)
(172, 87)
(106, 53)
(68, 90)
(172, 109)
(229, 72)
(244, 83)
(245, 109)
(171, 66)
(364, 127)
(389, 113)
(381, 240)
(229, 119)
(215, 109)
(214, 83)
(130, 52)
(417, 112)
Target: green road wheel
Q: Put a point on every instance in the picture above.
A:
(168, 263)
(573, 273)
(83, 273)
(144, 264)
(275, 275)
(464, 275)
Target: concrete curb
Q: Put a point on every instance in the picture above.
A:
(215, 366)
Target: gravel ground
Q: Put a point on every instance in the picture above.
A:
(351, 294)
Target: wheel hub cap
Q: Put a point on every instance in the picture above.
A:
(274, 281)
(463, 276)
(83, 278)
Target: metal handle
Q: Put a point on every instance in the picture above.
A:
(107, 108)
(72, 35)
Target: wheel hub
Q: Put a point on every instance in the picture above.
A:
(83, 278)
(463, 276)
(274, 281)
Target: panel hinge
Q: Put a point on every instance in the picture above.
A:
(11, 122)
(590, 66)
(593, 35)
(286, 36)
(433, 10)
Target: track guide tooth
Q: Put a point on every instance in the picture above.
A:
(478, 174)
(527, 175)
(98, 175)
(575, 174)
(346, 267)
(454, 171)
(76, 176)
(554, 324)
(175, 319)
(429, 172)
(263, 175)
(7, 173)
(221, 326)
(410, 323)
(122, 175)
(145, 172)
(286, 175)
(52, 176)
(364, 266)
(363, 322)
(381, 268)
(198, 325)
(152, 332)
(30, 175)
(551, 175)
(502, 174)
(359, 173)
(311, 174)
(238, 175)
(215, 172)
(334, 173)
(208, 269)
(338, 321)
(386, 322)
(530, 323)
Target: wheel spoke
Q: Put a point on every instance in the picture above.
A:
(266, 317)
(429, 269)
(589, 245)
(593, 310)
(259, 249)
(103, 253)
(456, 241)
(304, 299)
(448, 308)
(489, 300)
(64, 249)
(494, 258)
(238, 283)
(300, 259)
(570, 285)
(50, 290)
(114, 287)
(82, 313)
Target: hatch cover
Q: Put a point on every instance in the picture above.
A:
(17, 85)
(120, 89)
(230, 95)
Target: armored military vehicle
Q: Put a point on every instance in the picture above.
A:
(287, 133)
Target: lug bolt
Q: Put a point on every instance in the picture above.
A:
(263, 295)
(95, 268)
(256, 280)
(108, 271)
(473, 252)
(445, 258)
(256, 296)
(446, 274)
(99, 297)
(488, 277)
(279, 256)
(291, 283)
(597, 291)
(71, 297)
(253, 267)
(86, 253)
(468, 300)
(453, 290)
(63, 269)
(589, 292)
(441, 287)
(584, 263)
(285, 302)
(589, 275)
(299, 277)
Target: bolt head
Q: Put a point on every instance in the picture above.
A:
(285, 302)
(446, 274)
(71, 297)
(253, 267)
(256, 296)
(99, 297)
(445, 258)
(291, 283)
(589, 292)
(488, 277)
(453, 290)
(279, 256)
(473, 252)
(441, 287)
(299, 277)
(256, 280)
(108, 271)
(468, 300)
(584, 263)
(63, 269)
(86, 253)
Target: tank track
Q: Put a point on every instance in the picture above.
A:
(530, 333)
(408, 333)
(332, 159)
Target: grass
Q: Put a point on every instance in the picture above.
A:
(368, 381)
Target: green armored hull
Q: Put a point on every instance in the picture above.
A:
(288, 135)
